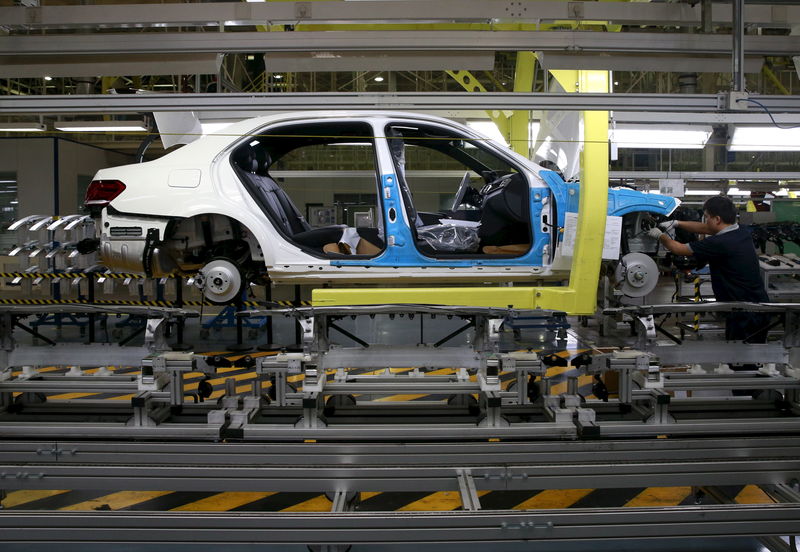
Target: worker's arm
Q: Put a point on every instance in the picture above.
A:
(695, 227)
(675, 247)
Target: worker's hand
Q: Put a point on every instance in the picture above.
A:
(655, 233)
(668, 225)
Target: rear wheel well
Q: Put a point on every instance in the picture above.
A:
(194, 241)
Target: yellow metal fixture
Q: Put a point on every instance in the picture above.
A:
(579, 297)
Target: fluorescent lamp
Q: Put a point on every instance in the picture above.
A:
(378, 79)
(663, 137)
(21, 127)
(765, 138)
(738, 192)
(488, 129)
(701, 192)
(100, 126)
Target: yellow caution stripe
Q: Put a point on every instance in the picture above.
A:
(126, 303)
(71, 275)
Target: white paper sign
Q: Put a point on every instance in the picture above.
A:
(570, 232)
(613, 235)
(611, 242)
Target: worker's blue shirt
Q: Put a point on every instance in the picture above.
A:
(732, 258)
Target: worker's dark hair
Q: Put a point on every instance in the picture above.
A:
(722, 207)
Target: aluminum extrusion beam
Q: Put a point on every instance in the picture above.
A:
(395, 466)
(442, 11)
(394, 478)
(272, 102)
(704, 352)
(411, 454)
(752, 116)
(705, 175)
(249, 528)
(54, 45)
(84, 355)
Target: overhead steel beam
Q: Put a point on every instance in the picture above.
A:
(753, 116)
(398, 11)
(272, 102)
(82, 65)
(430, 41)
(705, 175)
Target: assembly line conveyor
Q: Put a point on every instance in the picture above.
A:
(325, 418)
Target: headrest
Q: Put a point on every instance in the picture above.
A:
(253, 160)
(244, 158)
(262, 160)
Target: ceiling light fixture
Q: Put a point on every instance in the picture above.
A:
(378, 79)
(660, 137)
(278, 77)
(48, 78)
(765, 138)
(100, 126)
(21, 127)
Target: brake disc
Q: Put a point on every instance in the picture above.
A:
(220, 280)
(637, 274)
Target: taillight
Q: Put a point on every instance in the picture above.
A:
(101, 192)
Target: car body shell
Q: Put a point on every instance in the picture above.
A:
(199, 179)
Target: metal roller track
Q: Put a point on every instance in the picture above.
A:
(231, 529)
(354, 467)
(379, 454)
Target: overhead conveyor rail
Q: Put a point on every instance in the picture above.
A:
(479, 11)
(409, 101)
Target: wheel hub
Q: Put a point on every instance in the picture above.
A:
(220, 280)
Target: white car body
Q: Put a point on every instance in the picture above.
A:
(199, 180)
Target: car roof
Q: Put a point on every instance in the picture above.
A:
(247, 126)
(211, 144)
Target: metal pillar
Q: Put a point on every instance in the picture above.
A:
(738, 46)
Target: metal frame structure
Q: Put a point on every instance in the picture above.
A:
(441, 41)
(557, 441)
(211, 14)
(440, 101)
(346, 468)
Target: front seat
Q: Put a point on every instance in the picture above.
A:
(252, 167)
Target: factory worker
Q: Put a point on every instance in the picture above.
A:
(732, 259)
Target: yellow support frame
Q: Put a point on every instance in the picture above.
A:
(580, 296)
(471, 84)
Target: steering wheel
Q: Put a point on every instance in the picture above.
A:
(462, 191)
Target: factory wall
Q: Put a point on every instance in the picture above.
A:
(51, 176)
(34, 161)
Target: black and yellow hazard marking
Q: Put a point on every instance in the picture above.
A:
(73, 275)
(199, 501)
(135, 303)
(371, 501)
